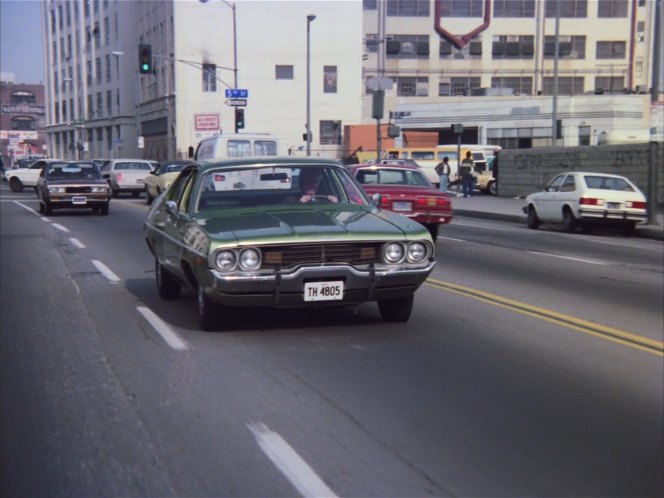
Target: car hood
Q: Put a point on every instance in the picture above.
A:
(311, 225)
(76, 181)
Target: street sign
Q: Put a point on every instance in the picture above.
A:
(237, 93)
(236, 102)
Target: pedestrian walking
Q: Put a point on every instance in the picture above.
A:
(443, 171)
(466, 172)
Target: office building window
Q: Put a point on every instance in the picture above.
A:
(100, 105)
(109, 102)
(329, 79)
(612, 8)
(283, 72)
(407, 47)
(91, 107)
(330, 132)
(513, 8)
(584, 135)
(98, 70)
(609, 84)
(107, 62)
(610, 50)
(568, 8)
(88, 68)
(513, 47)
(209, 77)
(520, 85)
(408, 8)
(463, 86)
(569, 47)
(472, 50)
(412, 86)
(566, 85)
(462, 8)
(369, 4)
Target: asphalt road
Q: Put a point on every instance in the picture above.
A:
(532, 366)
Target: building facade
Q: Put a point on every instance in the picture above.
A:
(490, 65)
(97, 97)
(487, 64)
(22, 121)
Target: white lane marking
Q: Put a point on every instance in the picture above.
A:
(451, 238)
(104, 270)
(77, 243)
(59, 227)
(171, 338)
(27, 208)
(296, 470)
(580, 260)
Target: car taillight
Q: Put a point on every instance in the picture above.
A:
(119, 177)
(636, 204)
(384, 200)
(442, 201)
(219, 178)
(425, 201)
(591, 201)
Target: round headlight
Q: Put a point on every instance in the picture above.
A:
(225, 260)
(393, 252)
(250, 259)
(416, 252)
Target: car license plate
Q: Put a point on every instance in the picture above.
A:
(613, 205)
(140, 181)
(79, 200)
(324, 291)
(402, 206)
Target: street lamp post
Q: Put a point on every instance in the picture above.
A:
(310, 18)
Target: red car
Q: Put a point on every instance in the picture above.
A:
(404, 189)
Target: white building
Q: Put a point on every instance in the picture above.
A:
(92, 67)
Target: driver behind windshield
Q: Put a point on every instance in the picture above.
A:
(309, 184)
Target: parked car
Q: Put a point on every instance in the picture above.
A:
(585, 199)
(72, 185)
(160, 179)
(252, 232)
(27, 177)
(406, 190)
(126, 175)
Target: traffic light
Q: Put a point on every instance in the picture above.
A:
(239, 118)
(145, 59)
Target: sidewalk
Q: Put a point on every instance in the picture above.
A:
(508, 209)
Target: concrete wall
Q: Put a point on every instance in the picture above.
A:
(523, 171)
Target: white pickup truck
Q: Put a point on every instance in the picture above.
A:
(126, 175)
(20, 178)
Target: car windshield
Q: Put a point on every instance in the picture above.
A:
(170, 168)
(386, 176)
(278, 186)
(607, 183)
(73, 171)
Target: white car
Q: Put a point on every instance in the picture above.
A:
(583, 199)
(126, 175)
(25, 177)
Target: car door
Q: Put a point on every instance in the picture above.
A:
(567, 195)
(32, 174)
(545, 201)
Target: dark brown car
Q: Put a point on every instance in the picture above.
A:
(72, 185)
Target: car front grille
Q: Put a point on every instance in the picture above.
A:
(290, 255)
(83, 189)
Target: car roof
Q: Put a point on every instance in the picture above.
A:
(270, 160)
(593, 173)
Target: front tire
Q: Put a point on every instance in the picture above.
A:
(532, 220)
(104, 209)
(207, 311)
(16, 185)
(167, 287)
(48, 208)
(493, 190)
(396, 310)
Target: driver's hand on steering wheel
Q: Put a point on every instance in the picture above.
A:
(307, 198)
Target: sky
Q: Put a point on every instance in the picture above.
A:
(21, 45)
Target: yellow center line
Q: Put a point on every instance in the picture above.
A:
(604, 332)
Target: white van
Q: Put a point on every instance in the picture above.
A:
(227, 146)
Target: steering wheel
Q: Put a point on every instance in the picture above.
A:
(318, 199)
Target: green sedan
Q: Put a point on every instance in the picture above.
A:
(283, 232)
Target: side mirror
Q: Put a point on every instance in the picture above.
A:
(172, 208)
(375, 199)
